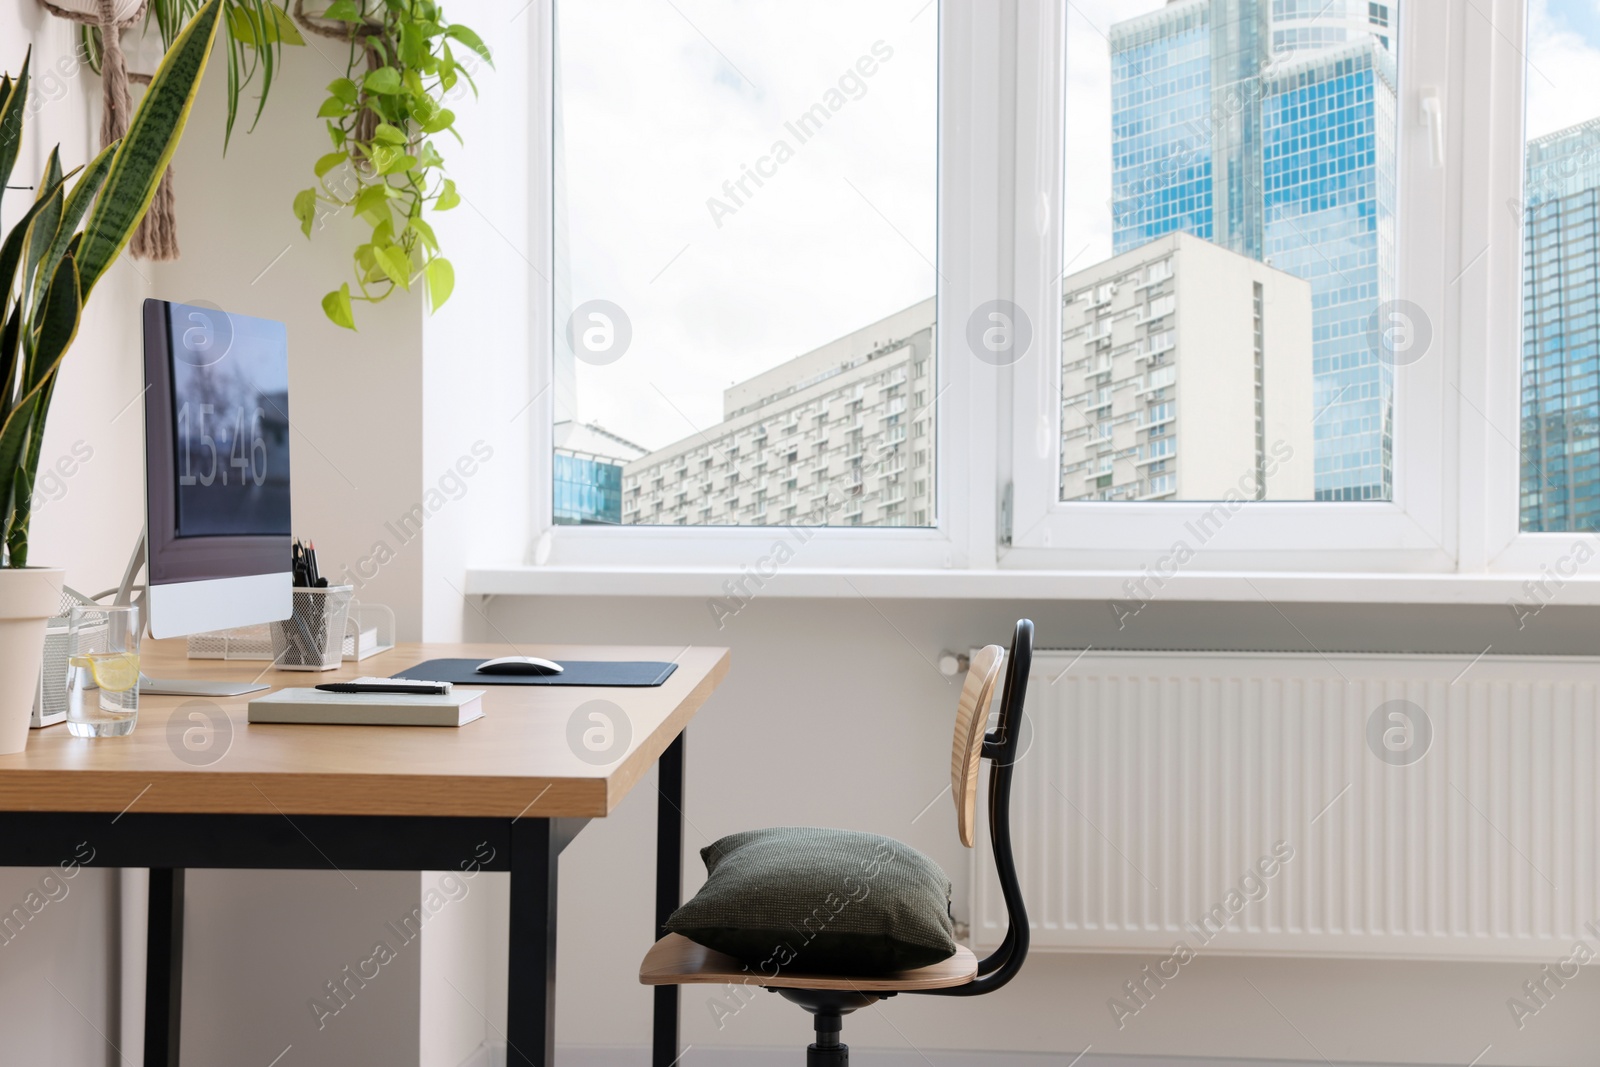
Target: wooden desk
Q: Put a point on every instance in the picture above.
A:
(196, 786)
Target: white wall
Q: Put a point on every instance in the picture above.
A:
(58, 973)
(261, 945)
(477, 375)
(355, 398)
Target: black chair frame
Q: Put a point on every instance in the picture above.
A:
(1001, 748)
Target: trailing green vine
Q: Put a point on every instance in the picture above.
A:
(384, 119)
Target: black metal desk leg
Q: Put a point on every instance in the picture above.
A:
(163, 990)
(669, 891)
(531, 978)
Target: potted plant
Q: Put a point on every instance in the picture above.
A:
(48, 270)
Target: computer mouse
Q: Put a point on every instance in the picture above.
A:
(519, 665)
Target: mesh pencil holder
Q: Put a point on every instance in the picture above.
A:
(240, 642)
(310, 639)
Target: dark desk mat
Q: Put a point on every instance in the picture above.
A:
(629, 674)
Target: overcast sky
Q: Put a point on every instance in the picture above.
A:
(1563, 64)
(659, 117)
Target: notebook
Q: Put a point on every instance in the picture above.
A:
(313, 706)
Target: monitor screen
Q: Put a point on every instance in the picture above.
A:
(230, 411)
(216, 445)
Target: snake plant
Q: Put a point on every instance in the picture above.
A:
(49, 266)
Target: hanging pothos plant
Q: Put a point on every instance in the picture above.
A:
(382, 118)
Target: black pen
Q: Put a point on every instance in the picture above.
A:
(420, 688)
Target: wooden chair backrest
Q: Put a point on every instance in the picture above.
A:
(972, 722)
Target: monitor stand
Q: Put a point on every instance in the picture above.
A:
(132, 592)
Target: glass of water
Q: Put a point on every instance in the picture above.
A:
(103, 670)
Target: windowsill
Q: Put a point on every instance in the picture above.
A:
(1322, 588)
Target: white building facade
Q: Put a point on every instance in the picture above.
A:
(841, 436)
(1186, 374)
(1317, 25)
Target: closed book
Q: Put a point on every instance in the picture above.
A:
(316, 707)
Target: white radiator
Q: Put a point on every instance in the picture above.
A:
(1154, 783)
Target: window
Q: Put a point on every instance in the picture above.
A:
(1249, 262)
(745, 218)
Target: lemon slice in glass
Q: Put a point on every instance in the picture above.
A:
(115, 672)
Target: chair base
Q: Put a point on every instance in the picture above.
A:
(829, 1007)
(827, 1050)
(837, 1055)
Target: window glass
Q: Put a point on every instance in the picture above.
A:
(1230, 325)
(1560, 211)
(745, 224)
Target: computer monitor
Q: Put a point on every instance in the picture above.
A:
(216, 421)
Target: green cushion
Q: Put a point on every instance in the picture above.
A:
(798, 899)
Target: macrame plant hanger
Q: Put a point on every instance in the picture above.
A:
(157, 235)
(361, 33)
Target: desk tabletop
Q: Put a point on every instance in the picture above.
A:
(516, 760)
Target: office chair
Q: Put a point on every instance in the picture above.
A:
(675, 960)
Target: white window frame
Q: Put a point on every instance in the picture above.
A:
(1491, 380)
(1454, 522)
(969, 260)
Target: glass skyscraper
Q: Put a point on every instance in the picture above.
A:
(588, 474)
(1560, 333)
(1161, 151)
(587, 491)
(1329, 131)
(1268, 127)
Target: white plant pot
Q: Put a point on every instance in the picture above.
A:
(29, 596)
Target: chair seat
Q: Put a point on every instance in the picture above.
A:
(675, 960)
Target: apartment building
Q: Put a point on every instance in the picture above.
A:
(842, 435)
(1186, 373)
